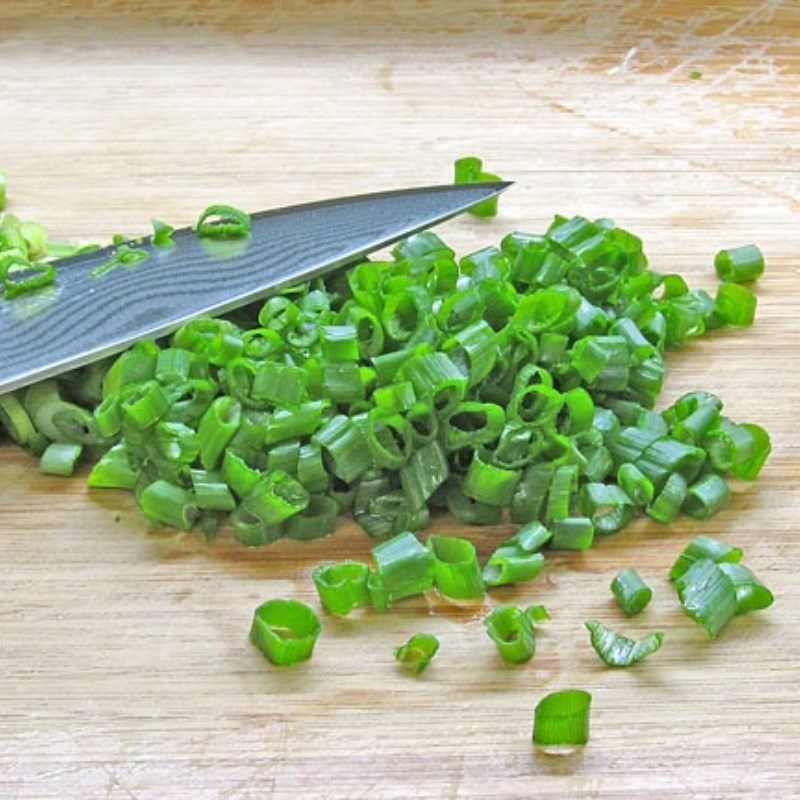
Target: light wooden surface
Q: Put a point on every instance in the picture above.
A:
(125, 670)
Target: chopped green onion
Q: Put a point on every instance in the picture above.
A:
(708, 595)
(512, 631)
(667, 505)
(403, 567)
(751, 594)
(635, 484)
(223, 222)
(217, 428)
(739, 264)
(561, 720)
(537, 613)
(169, 504)
(736, 304)
(162, 234)
(706, 497)
(417, 652)
(704, 548)
(342, 587)
(315, 521)
(456, 569)
(572, 533)
(285, 631)
(470, 170)
(619, 651)
(631, 592)
(60, 458)
(608, 506)
(489, 484)
(211, 493)
(518, 560)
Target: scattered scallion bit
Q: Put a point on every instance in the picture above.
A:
(700, 548)
(537, 613)
(708, 595)
(162, 234)
(456, 569)
(739, 264)
(561, 720)
(415, 655)
(60, 458)
(285, 631)
(518, 560)
(695, 74)
(342, 587)
(223, 222)
(631, 592)
(511, 629)
(470, 170)
(619, 651)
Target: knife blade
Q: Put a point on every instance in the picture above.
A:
(84, 318)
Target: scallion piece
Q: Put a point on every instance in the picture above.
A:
(223, 222)
(561, 720)
(60, 458)
(704, 548)
(631, 592)
(285, 631)
(511, 630)
(708, 595)
(537, 613)
(403, 567)
(706, 497)
(169, 504)
(342, 587)
(751, 594)
(415, 655)
(635, 484)
(619, 651)
(667, 505)
(608, 506)
(736, 304)
(456, 569)
(572, 533)
(518, 560)
(162, 234)
(739, 264)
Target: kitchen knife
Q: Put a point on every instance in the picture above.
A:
(83, 318)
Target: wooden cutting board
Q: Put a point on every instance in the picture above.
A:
(125, 670)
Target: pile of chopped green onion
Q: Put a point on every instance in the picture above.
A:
(516, 382)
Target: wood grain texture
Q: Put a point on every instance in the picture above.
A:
(124, 666)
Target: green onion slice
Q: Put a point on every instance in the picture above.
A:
(285, 631)
(619, 651)
(511, 629)
(561, 719)
(415, 655)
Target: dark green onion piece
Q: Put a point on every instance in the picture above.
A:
(403, 567)
(223, 222)
(706, 497)
(561, 719)
(572, 533)
(631, 592)
(424, 473)
(704, 548)
(275, 497)
(211, 492)
(285, 631)
(512, 631)
(456, 569)
(162, 234)
(315, 521)
(667, 505)
(217, 428)
(342, 587)
(345, 446)
(708, 595)
(489, 484)
(608, 506)
(113, 471)
(60, 458)
(169, 504)
(751, 594)
(417, 652)
(736, 304)
(537, 613)
(619, 651)
(739, 264)
(635, 484)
